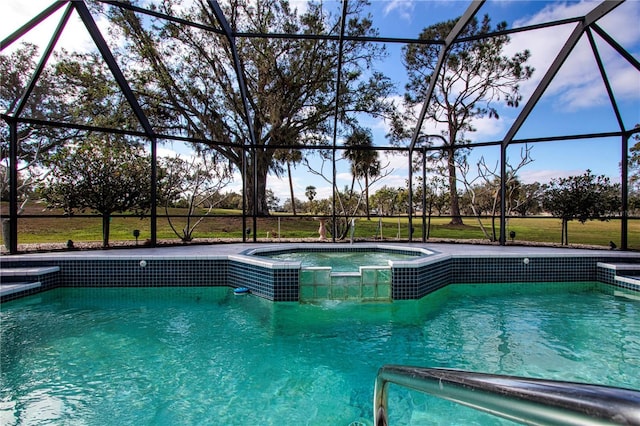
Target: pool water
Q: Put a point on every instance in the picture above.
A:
(167, 356)
(343, 261)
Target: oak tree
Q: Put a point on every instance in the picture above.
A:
(105, 175)
(34, 142)
(290, 82)
(581, 198)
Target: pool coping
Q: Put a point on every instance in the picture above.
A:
(253, 255)
(213, 251)
(223, 251)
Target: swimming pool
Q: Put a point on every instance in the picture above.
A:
(203, 356)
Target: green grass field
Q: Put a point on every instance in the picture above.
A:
(34, 230)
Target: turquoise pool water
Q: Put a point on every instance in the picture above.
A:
(167, 356)
(342, 261)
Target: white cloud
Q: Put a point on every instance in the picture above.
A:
(343, 179)
(556, 11)
(280, 187)
(164, 152)
(622, 24)
(578, 84)
(395, 161)
(545, 176)
(300, 5)
(392, 181)
(74, 36)
(324, 192)
(403, 8)
(488, 127)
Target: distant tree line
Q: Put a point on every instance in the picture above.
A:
(113, 177)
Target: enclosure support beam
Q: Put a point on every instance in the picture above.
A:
(19, 106)
(31, 24)
(425, 232)
(17, 110)
(624, 187)
(343, 24)
(451, 37)
(13, 188)
(110, 60)
(331, 37)
(621, 50)
(410, 195)
(605, 80)
(425, 228)
(598, 12)
(624, 143)
(503, 190)
(229, 34)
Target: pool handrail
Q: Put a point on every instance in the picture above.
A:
(524, 400)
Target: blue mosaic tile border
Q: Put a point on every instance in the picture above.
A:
(130, 273)
(279, 285)
(523, 269)
(282, 284)
(414, 283)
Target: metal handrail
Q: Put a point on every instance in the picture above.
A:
(524, 400)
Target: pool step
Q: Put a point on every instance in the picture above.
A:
(622, 268)
(632, 282)
(11, 288)
(626, 275)
(18, 281)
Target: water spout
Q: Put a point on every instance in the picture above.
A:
(353, 230)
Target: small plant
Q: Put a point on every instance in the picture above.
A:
(197, 184)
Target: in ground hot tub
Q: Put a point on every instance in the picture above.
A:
(340, 260)
(362, 272)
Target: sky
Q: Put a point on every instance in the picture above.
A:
(576, 102)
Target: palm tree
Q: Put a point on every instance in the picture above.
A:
(363, 158)
(288, 157)
(310, 192)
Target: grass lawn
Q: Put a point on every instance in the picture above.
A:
(227, 225)
(543, 230)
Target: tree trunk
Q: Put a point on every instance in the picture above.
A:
(6, 233)
(493, 215)
(456, 217)
(477, 215)
(105, 229)
(366, 195)
(293, 200)
(261, 178)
